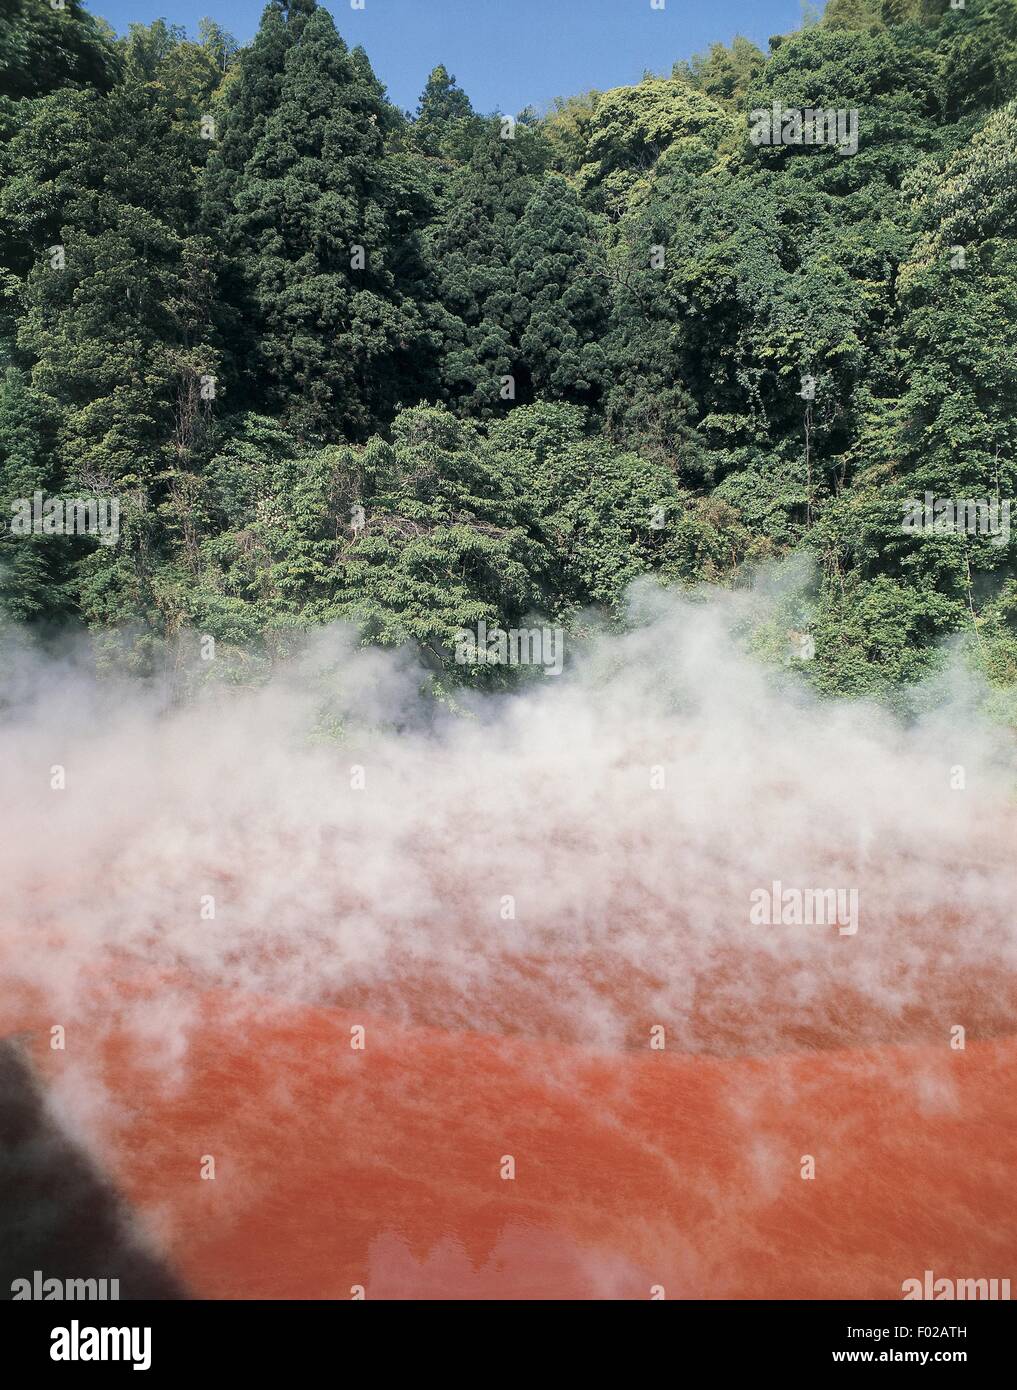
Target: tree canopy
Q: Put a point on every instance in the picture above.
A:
(419, 370)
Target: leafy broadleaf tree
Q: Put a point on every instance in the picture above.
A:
(43, 48)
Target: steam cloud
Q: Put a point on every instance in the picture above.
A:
(563, 869)
(630, 900)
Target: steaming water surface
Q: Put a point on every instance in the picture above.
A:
(538, 910)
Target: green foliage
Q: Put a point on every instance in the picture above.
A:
(116, 335)
(603, 516)
(186, 74)
(566, 128)
(445, 123)
(724, 74)
(467, 369)
(412, 539)
(319, 232)
(632, 127)
(561, 305)
(35, 571)
(42, 49)
(471, 245)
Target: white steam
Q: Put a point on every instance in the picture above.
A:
(515, 867)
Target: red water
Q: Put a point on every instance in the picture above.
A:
(635, 1170)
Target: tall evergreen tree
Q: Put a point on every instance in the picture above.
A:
(473, 243)
(308, 200)
(561, 306)
(116, 320)
(444, 116)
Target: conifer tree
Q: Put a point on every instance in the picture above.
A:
(561, 307)
(444, 116)
(115, 323)
(473, 244)
(301, 184)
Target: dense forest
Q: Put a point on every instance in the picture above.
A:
(418, 371)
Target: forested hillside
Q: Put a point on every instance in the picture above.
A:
(422, 370)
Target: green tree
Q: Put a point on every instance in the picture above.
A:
(42, 49)
(321, 252)
(725, 74)
(471, 245)
(413, 539)
(445, 118)
(632, 127)
(561, 305)
(116, 328)
(187, 74)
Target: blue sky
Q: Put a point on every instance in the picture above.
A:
(504, 53)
